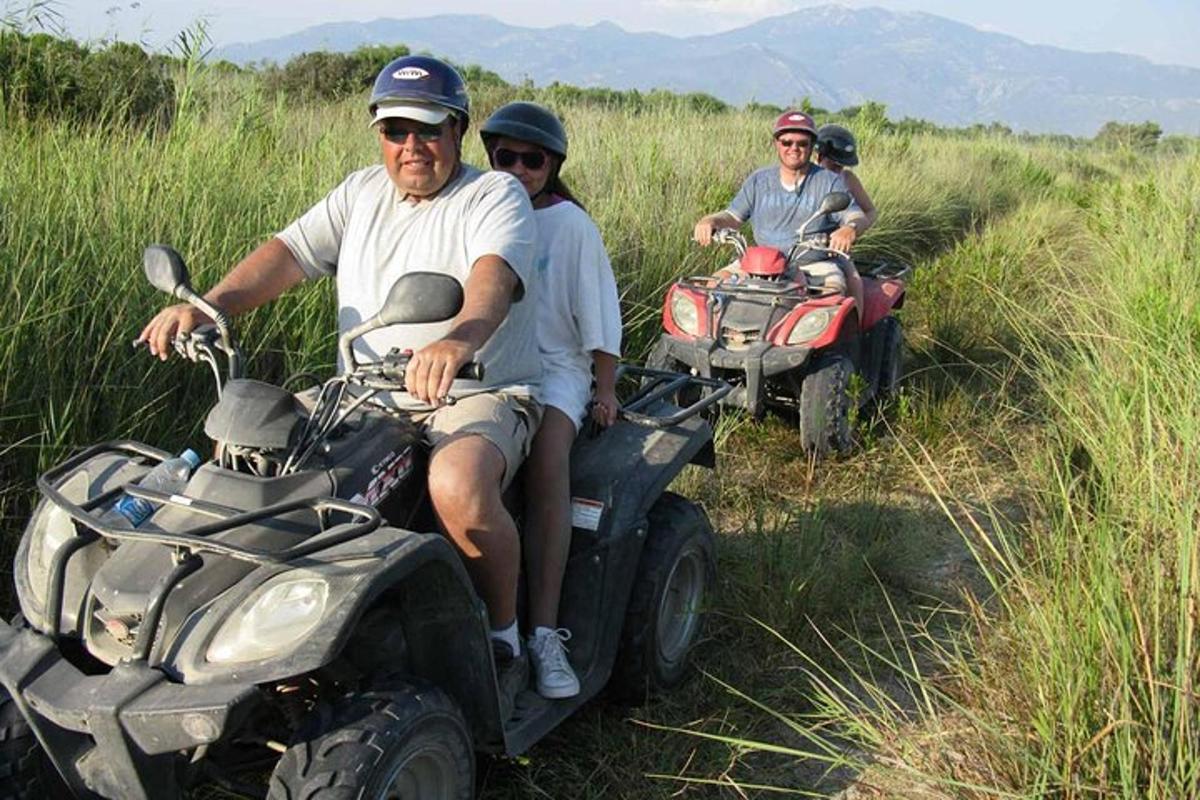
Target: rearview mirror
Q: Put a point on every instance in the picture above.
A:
(416, 298)
(835, 202)
(420, 297)
(165, 269)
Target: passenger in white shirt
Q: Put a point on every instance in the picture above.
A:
(579, 339)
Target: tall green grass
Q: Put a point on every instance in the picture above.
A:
(1052, 334)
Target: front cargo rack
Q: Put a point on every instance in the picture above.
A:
(89, 527)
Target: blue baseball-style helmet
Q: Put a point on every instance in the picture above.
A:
(422, 80)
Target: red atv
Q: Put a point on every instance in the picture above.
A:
(783, 342)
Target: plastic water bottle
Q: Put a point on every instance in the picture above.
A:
(169, 476)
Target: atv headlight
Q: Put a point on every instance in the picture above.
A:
(273, 618)
(48, 530)
(811, 325)
(683, 311)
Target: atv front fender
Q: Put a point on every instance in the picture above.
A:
(118, 734)
(419, 576)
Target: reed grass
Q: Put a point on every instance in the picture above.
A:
(994, 596)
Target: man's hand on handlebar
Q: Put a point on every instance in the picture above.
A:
(703, 232)
(433, 368)
(172, 321)
(843, 238)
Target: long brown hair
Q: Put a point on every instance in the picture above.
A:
(556, 185)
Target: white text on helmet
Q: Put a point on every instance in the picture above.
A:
(410, 74)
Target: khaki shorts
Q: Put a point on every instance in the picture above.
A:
(825, 275)
(507, 421)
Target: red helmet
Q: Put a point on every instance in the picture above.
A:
(795, 121)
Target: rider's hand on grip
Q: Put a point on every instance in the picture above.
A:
(176, 320)
(433, 369)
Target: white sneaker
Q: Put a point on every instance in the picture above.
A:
(548, 655)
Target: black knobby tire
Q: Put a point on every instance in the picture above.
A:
(665, 614)
(411, 741)
(25, 770)
(892, 362)
(825, 406)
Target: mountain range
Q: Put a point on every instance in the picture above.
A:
(918, 64)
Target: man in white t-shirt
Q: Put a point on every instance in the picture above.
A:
(423, 209)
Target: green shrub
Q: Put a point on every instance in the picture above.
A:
(44, 75)
(1128, 135)
(124, 82)
(323, 76)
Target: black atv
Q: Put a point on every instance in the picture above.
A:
(283, 628)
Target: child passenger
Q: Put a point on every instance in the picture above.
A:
(579, 322)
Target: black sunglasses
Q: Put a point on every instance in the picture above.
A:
(504, 158)
(803, 144)
(398, 133)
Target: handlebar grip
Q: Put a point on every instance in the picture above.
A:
(472, 371)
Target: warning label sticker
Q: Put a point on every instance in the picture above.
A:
(586, 514)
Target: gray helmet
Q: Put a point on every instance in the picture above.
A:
(423, 80)
(838, 144)
(527, 122)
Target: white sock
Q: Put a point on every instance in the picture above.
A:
(510, 635)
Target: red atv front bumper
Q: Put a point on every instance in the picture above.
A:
(746, 369)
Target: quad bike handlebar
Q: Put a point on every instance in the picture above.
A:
(388, 374)
(731, 236)
(805, 242)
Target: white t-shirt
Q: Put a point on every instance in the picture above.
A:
(579, 310)
(366, 235)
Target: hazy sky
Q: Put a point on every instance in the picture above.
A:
(1165, 31)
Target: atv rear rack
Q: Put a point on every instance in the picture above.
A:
(657, 385)
(884, 270)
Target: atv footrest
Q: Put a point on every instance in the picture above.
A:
(884, 270)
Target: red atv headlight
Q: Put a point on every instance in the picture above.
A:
(684, 312)
(811, 325)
